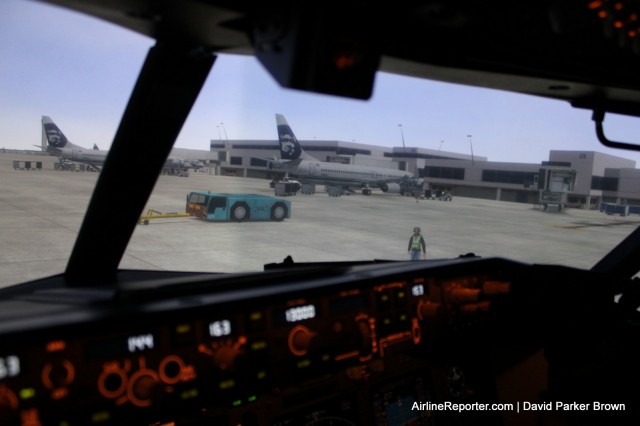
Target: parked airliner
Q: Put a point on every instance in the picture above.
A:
(56, 143)
(339, 178)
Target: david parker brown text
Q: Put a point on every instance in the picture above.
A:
(519, 406)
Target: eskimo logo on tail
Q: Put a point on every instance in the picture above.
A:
(55, 137)
(289, 147)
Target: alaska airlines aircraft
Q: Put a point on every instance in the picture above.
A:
(338, 178)
(56, 143)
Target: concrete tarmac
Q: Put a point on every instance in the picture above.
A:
(41, 213)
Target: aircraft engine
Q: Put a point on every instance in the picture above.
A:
(393, 188)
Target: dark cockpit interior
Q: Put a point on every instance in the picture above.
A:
(466, 341)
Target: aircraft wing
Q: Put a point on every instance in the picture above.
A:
(276, 163)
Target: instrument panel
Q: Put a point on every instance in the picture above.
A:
(355, 348)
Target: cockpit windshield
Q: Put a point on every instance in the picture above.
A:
(487, 172)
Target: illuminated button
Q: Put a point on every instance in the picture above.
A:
(112, 381)
(8, 402)
(100, 417)
(27, 393)
(189, 394)
(141, 387)
(227, 384)
(305, 363)
(170, 369)
(183, 328)
(258, 345)
(58, 374)
(300, 340)
(56, 345)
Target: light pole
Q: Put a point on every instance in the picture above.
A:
(440, 147)
(402, 135)
(219, 133)
(471, 145)
(225, 132)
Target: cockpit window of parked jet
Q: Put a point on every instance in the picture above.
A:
(204, 212)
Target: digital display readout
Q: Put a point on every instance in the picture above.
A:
(140, 343)
(300, 313)
(9, 366)
(220, 328)
(120, 346)
(293, 314)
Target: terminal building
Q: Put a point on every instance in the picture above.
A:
(595, 178)
(591, 178)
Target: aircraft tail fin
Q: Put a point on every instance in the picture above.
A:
(290, 148)
(52, 135)
(43, 143)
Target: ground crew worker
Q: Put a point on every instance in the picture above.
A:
(417, 245)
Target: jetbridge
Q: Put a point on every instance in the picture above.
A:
(554, 185)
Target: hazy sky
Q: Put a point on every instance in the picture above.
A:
(80, 72)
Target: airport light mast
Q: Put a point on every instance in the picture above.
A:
(471, 145)
(402, 135)
(225, 132)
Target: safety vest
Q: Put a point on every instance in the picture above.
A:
(415, 243)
